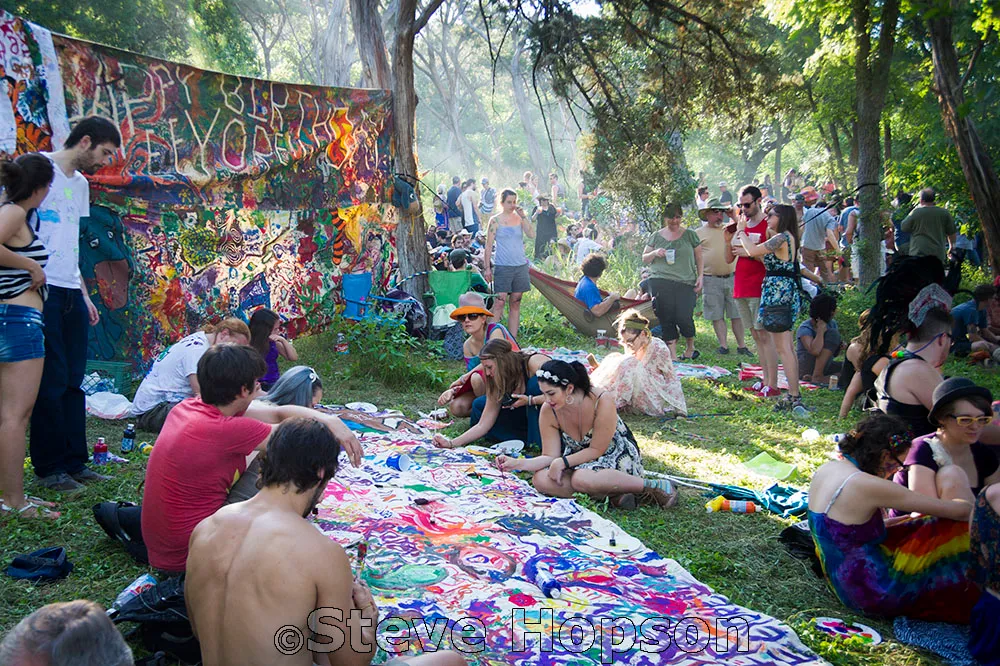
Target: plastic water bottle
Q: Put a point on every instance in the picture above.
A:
(720, 503)
(135, 588)
(128, 438)
(100, 452)
(548, 584)
(800, 412)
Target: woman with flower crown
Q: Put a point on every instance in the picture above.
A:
(643, 379)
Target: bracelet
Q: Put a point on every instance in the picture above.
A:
(566, 462)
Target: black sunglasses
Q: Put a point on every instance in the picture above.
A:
(472, 316)
(747, 205)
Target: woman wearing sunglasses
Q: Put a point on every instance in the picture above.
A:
(951, 463)
(474, 318)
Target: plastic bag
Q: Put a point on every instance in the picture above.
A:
(107, 405)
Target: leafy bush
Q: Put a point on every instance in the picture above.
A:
(382, 349)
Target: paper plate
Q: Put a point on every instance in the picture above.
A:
(480, 450)
(512, 447)
(365, 407)
(840, 629)
(625, 544)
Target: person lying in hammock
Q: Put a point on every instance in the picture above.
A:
(475, 321)
(509, 407)
(643, 379)
(906, 566)
(586, 447)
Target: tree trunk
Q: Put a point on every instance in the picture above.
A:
(977, 166)
(838, 153)
(778, 178)
(539, 164)
(411, 244)
(887, 139)
(871, 79)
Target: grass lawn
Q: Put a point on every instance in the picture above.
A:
(737, 555)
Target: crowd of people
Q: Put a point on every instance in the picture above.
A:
(244, 452)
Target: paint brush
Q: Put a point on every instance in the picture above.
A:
(612, 541)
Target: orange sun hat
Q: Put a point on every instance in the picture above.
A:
(470, 309)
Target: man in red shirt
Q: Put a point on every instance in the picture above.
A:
(747, 286)
(203, 447)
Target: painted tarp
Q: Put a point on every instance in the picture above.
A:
(459, 570)
(228, 193)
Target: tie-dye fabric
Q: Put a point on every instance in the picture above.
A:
(463, 565)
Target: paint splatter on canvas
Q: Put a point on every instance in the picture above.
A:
(228, 193)
(462, 563)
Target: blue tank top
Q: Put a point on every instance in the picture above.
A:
(509, 246)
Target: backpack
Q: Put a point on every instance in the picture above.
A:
(122, 521)
(163, 620)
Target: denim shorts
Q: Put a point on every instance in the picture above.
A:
(21, 334)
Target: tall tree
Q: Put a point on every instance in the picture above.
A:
(411, 245)
(871, 67)
(949, 84)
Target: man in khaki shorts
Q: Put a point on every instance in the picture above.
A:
(719, 276)
(747, 282)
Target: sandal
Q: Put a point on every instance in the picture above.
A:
(625, 502)
(40, 512)
(695, 355)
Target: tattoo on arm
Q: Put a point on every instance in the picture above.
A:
(775, 242)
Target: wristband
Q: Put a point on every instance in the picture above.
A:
(566, 462)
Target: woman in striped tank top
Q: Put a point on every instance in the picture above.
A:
(26, 182)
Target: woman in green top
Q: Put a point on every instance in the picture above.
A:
(676, 266)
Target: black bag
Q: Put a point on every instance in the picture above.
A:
(122, 521)
(163, 621)
(776, 318)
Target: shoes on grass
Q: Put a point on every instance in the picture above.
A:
(768, 392)
(743, 351)
(87, 475)
(722, 350)
(60, 482)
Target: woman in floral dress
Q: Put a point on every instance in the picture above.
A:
(643, 379)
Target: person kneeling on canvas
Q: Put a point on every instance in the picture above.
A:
(174, 375)
(244, 583)
(586, 447)
(203, 450)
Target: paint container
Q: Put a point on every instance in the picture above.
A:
(399, 461)
(548, 584)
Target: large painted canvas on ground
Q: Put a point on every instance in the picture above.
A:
(228, 193)
(453, 554)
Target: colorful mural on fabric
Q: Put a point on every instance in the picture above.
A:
(463, 563)
(228, 193)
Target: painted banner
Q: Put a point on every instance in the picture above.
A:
(228, 193)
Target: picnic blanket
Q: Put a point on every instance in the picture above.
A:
(757, 372)
(461, 565)
(698, 371)
(563, 354)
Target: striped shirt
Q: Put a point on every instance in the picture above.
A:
(16, 281)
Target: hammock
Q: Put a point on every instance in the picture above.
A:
(560, 294)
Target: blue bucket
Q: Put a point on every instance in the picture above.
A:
(355, 287)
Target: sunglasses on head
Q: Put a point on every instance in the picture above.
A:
(472, 316)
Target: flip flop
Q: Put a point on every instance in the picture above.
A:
(41, 511)
(45, 565)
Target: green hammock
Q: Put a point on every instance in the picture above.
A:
(560, 294)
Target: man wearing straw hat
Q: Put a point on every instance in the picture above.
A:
(719, 276)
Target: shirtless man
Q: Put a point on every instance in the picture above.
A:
(254, 574)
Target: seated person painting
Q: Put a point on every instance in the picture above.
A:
(474, 318)
(586, 289)
(203, 448)
(586, 447)
(509, 408)
(174, 375)
(818, 341)
(236, 602)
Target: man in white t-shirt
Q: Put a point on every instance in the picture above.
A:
(470, 204)
(59, 451)
(587, 245)
(174, 375)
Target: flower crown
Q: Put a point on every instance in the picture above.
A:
(551, 378)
